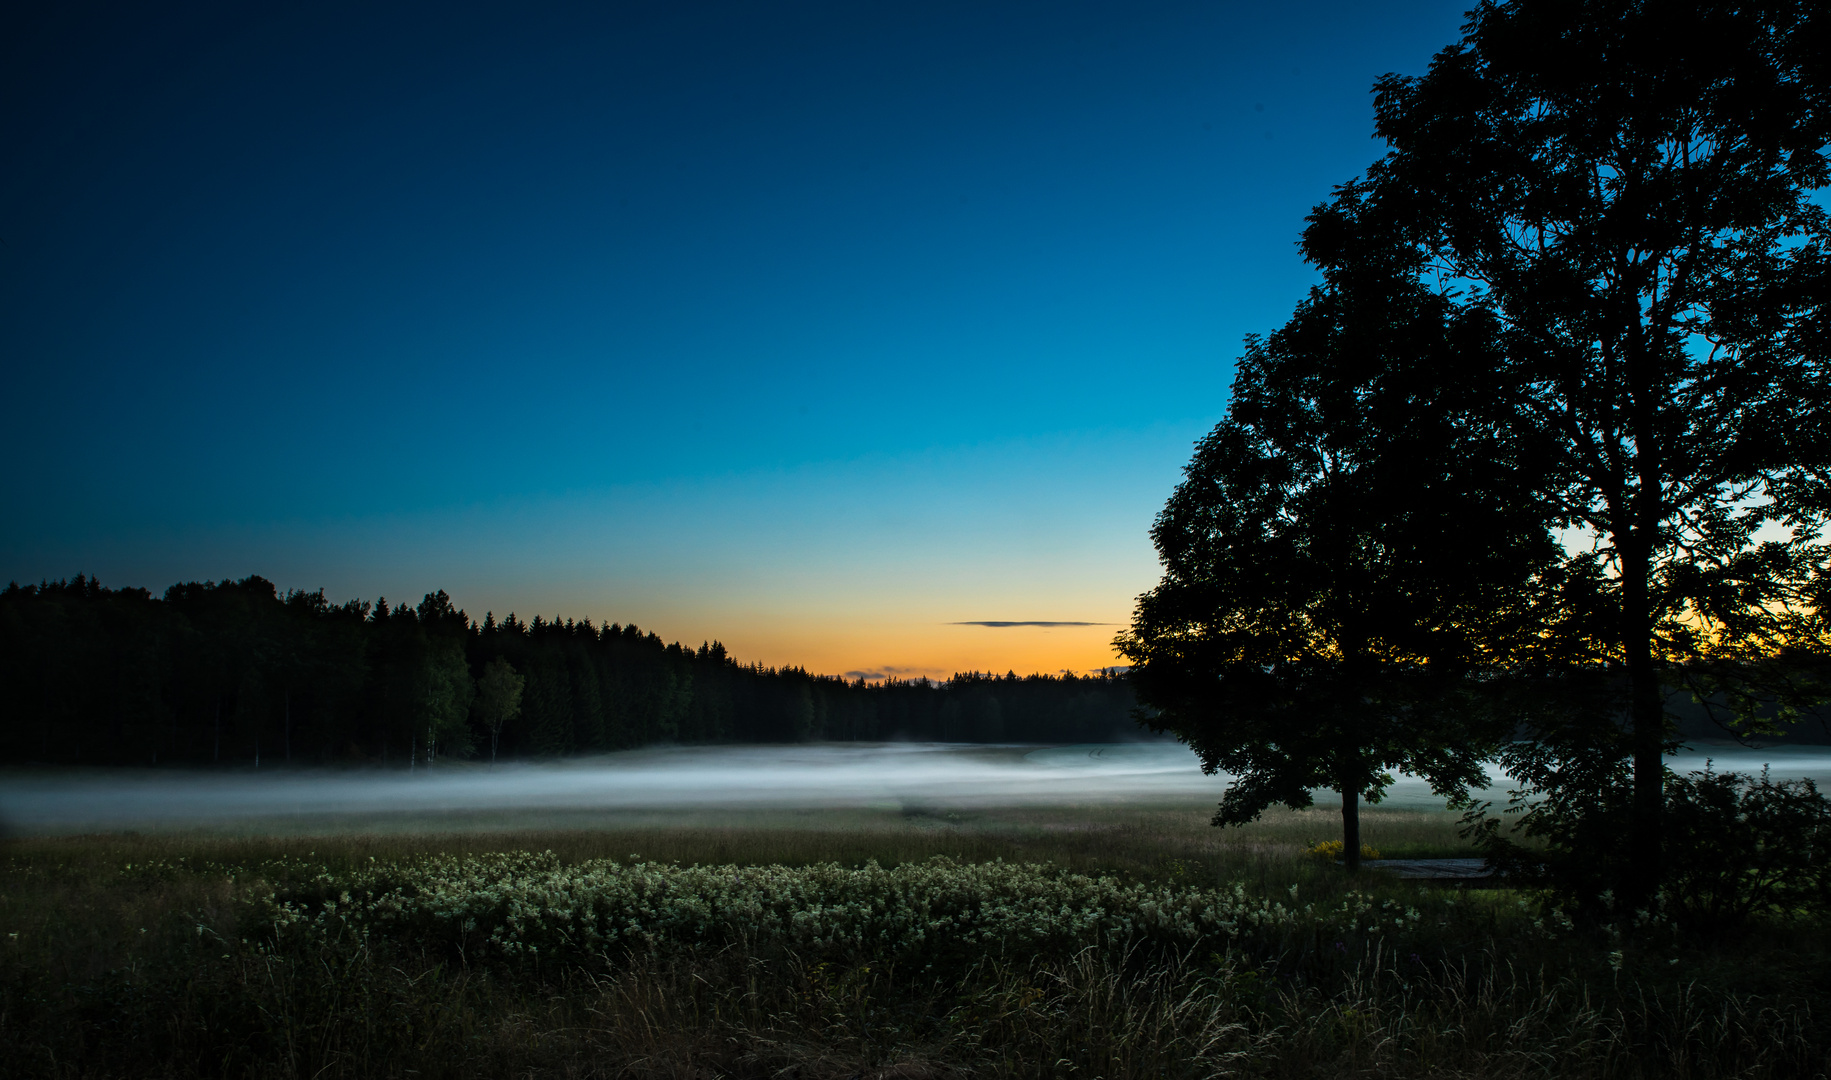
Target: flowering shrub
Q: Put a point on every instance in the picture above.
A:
(528, 905)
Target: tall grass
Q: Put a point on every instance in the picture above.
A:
(1114, 838)
(157, 956)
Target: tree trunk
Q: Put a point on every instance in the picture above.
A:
(1646, 723)
(1635, 547)
(1350, 827)
(1647, 729)
(1649, 715)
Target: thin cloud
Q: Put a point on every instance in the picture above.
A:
(891, 673)
(1025, 622)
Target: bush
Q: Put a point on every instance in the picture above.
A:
(1740, 845)
(1735, 846)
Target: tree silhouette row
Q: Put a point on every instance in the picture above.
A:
(237, 673)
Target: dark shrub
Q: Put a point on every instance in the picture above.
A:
(1740, 845)
(1735, 845)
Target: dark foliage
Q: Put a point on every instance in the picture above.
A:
(1347, 548)
(1628, 187)
(1745, 845)
(1737, 846)
(236, 673)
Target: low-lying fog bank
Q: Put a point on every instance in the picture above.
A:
(882, 776)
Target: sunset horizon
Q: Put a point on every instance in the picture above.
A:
(810, 329)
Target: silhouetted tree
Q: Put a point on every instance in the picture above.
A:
(498, 699)
(1343, 552)
(1626, 185)
(220, 672)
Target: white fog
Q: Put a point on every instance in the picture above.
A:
(672, 781)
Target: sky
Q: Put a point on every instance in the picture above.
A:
(833, 331)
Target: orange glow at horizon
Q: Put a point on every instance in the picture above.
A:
(934, 651)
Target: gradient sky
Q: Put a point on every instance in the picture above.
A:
(818, 328)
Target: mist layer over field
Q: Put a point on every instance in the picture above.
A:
(674, 782)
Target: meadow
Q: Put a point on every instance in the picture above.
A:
(915, 941)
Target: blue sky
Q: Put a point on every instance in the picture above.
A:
(814, 327)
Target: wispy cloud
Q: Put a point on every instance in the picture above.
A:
(1025, 622)
(891, 673)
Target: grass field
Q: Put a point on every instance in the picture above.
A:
(913, 942)
(1131, 837)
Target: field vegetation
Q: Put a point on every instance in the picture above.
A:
(916, 942)
(1545, 446)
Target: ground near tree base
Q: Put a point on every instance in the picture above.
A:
(161, 956)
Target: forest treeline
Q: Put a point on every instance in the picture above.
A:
(237, 673)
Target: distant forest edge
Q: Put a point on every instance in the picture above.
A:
(238, 673)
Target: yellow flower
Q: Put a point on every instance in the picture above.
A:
(1332, 849)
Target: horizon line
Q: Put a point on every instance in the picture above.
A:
(1024, 622)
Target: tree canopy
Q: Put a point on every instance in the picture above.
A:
(1344, 550)
(1627, 186)
(1613, 206)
